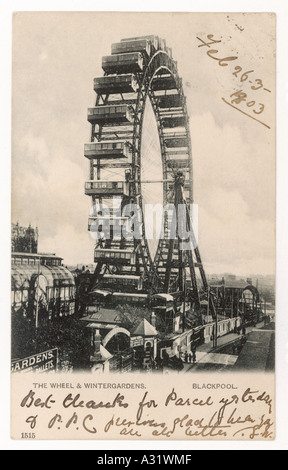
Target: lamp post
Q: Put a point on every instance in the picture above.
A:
(215, 342)
(215, 325)
(208, 310)
(184, 303)
(37, 297)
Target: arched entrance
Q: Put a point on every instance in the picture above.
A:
(116, 331)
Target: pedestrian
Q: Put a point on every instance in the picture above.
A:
(190, 357)
(244, 330)
(186, 356)
(194, 357)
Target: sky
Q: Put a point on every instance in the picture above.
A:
(55, 58)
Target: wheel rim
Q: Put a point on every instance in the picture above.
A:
(157, 82)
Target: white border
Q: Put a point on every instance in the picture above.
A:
(281, 9)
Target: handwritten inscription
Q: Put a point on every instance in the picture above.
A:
(242, 100)
(246, 415)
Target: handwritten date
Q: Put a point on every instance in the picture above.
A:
(240, 97)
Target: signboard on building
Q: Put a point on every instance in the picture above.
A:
(136, 341)
(43, 362)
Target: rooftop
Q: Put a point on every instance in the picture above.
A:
(258, 353)
(167, 297)
(104, 315)
(22, 275)
(229, 283)
(35, 255)
(145, 329)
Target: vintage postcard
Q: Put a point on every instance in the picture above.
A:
(143, 226)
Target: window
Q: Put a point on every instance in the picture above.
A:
(25, 295)
(49, 293)
(148, 346)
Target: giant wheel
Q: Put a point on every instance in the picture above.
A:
(140, 153)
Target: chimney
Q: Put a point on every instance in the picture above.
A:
(153, 319)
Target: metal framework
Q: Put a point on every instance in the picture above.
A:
(141, 70)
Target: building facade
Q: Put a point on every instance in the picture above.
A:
(41, 287)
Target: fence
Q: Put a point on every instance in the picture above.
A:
(224, 327)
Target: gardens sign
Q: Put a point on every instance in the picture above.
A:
(42, 362)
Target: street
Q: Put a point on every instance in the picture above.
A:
(224, 356)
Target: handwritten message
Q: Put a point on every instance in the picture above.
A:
(246, 99)
(83, 411)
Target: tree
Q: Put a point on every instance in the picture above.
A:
(66, 334)
(130, 316)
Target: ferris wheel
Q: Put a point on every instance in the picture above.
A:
(140, 156)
